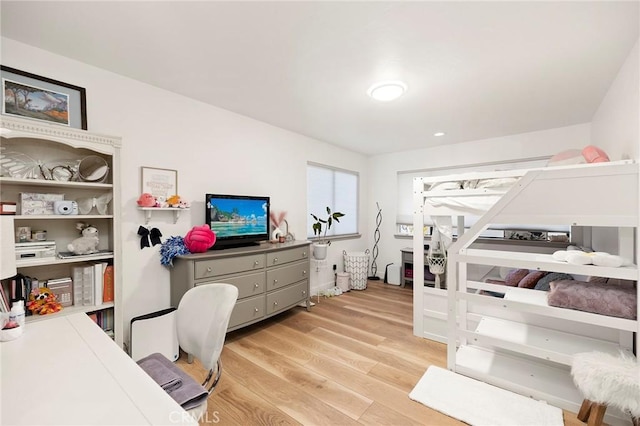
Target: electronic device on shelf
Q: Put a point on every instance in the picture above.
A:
(237, 220)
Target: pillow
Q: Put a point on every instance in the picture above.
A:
(604, 299)
(565, 158)
(497, 182)
(593, 154)
(543, 283)
(443, 186)
(531, 279)
(513, 278)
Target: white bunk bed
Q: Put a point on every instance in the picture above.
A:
(519, 342)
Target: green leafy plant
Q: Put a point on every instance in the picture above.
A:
(322, 225)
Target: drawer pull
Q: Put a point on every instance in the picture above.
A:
(256, 310)
(304, 292)
(275, 260)
(304, 254)
(256, 285)
(275, 282)
(256, 263)
(209, 269)
(304, 272)
(275, 303)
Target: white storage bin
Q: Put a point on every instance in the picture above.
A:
(342, 281)
(393, 274)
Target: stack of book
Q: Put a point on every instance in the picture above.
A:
(92, 284)
(105, 320)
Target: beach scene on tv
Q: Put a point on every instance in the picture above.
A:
(237, 217)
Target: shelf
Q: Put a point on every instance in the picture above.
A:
(61, 216)
(148, 210)
(537, 380)
(54, 183)
(535, 302)
(541, 262)
(57, 261)
(536, 341)
(69, 311)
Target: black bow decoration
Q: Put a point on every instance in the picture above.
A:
(149, 238)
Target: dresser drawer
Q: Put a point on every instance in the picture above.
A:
(231, 265)
(286, 256)
(280, 277)
(248, 285)
(247, 310)
(284, 298)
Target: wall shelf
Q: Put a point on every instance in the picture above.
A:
(148, 212)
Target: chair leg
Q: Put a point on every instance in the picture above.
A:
(216, 379)
(635, 420)
(585, 409)
(597, 414)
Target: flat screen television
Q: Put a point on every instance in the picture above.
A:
(237, 220)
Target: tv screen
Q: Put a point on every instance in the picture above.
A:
(237, 219)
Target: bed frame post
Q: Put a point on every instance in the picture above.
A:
(418, 257)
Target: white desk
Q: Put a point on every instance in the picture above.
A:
(67, 371)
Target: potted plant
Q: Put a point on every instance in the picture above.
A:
(320, 228)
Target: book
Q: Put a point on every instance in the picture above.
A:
(107, 283)
(88, 286)
(98, 280)
(77, 285)
(4, 291)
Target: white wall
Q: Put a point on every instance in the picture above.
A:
(615, 126)
(384, 169)
(213, 150)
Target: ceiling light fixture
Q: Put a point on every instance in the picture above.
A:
(387, 90)
(439, 134)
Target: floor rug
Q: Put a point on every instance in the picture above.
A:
(478, 403)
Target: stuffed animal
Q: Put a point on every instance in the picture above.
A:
(42, 301)
(147, 200)
(199, 239)
(177, 201)
(86, 244)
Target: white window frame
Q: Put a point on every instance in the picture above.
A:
(350, 218)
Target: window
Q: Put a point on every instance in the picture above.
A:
(337, 189)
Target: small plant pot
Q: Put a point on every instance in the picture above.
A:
(320, 251)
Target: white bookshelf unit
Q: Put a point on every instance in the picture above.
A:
(26, 148)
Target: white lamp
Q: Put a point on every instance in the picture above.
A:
(386, 91)
(7, 247)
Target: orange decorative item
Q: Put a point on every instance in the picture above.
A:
(42, 301)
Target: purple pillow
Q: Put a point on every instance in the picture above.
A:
(531, 279)
(513, 277)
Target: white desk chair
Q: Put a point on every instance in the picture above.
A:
(202, 319)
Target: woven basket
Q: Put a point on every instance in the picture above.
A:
(357, 265)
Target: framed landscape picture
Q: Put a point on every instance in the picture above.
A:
(40, 98)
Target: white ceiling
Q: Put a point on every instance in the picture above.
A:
(474, 69)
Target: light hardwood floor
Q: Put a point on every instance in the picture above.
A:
(351, 360)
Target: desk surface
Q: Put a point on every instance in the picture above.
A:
(67, 371)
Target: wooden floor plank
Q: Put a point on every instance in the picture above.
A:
(299, 376)
(351, 360)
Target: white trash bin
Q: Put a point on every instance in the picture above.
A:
(342, 281)
(357, 265)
